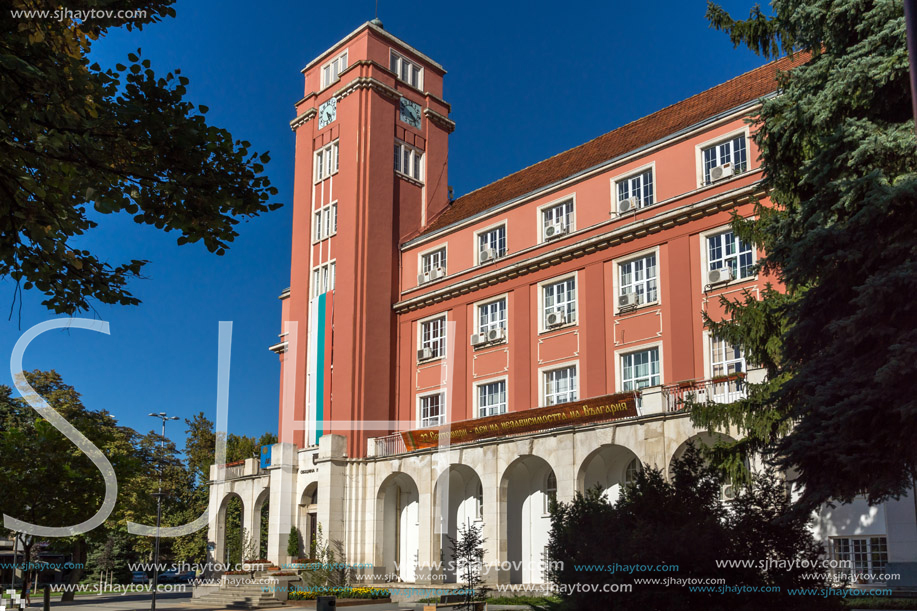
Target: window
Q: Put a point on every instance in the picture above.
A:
(492, 315)
(408, 161)
(331, 71)
(492, 399)
(492, 244)
(325, 222)
(406, 70)
(432, 410)
(732, 151)
(559, 297)
(867, 557)
(479, 502)
(560, 216)
(432, 261)
(433, 336)
(550, 493)
(560, 385)
(725, 359)
(327, 160)
(630, 472)
(639, 276)
(728, 250)
(639, 187)
(323, 279)
(640, 369)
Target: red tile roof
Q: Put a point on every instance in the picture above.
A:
(731, 94)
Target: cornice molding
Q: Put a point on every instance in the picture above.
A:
(627, 233)
(303, 118)
(368, 82)
(440, 120)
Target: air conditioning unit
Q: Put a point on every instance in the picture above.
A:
(496, 335)
(488, 254)
(423, 277)
(628, 205)
(478, 339)
(628, 300)
(719, 275)
(424, 353)
(555, 318)
(554, 230)
(720, 172)
(439, 272)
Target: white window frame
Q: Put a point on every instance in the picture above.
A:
(422, 258)
(616, 273)
(478, 327)
(636, 172)
(544, 209)
(396, 63)
(442, 419)
(543, 374)
(716, 141)
(336, 66)
(326, 161)
(481, 233)
(852, 569)
(542, 312)
(322, 217)
(705, 256)
(619, 364)
(323, 278)
(441, 341)
(477, 395)
(415, 161)
(729, 391)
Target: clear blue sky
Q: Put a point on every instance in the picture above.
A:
(526, 81)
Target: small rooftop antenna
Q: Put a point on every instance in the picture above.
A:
(376, 21)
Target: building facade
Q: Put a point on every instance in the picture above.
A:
(511, 318)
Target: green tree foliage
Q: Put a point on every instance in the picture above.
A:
(79, 141)
(468, 554)
(838, 149)
(684, 522)
(293, 543)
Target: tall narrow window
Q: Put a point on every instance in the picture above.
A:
(638, 188)
(492, 399)
(731, 152)
(325, 222)
(559, 297)
(560, 385)
(327, 160)
(432, 410)
(726, 361)
(492, 244)
(638, 276)
(550, 492)
(331, 71)
(409, 161)
(492, 315)
(433, 337)
(728, 250)
(557, 220)
(640, 369)
(406, 70)
(323, 279)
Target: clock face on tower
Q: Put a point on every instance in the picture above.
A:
(410, 112)
(327, 112)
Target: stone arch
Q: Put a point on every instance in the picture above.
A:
(699, 440)
(610, 467)
(308, 519)
(234, 530)
(260, 515)
(398, 527)
(524, 525)
(458, 499)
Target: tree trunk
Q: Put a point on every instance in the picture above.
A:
(79, 561)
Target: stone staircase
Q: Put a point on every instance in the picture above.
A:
(233, 595)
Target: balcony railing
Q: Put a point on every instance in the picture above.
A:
(724, 389)
(390, 445)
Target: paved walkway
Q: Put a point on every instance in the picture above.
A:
(164, 601)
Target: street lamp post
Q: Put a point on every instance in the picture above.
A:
(162, 439)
